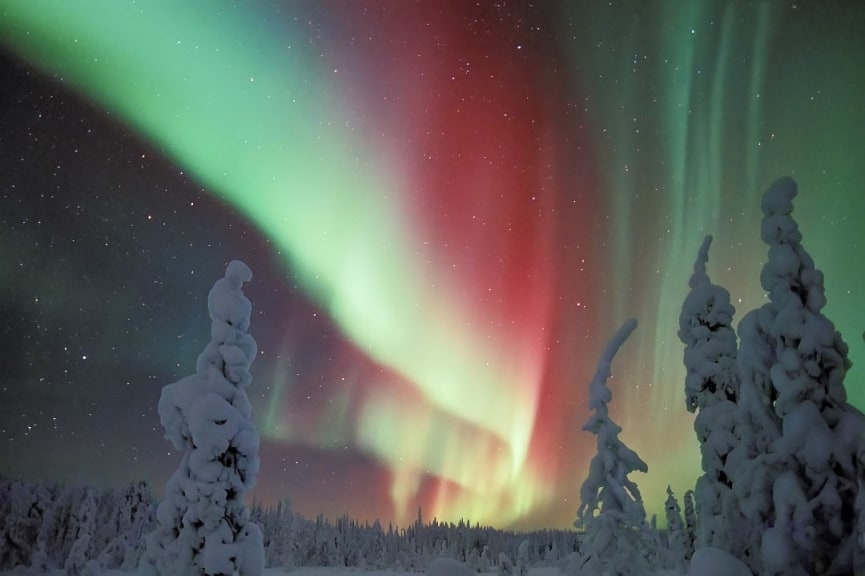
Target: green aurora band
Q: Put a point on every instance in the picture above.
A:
(272, 146)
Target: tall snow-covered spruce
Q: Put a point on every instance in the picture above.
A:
(712, 389)
(611, 508)
(799, 489)
(203, 524)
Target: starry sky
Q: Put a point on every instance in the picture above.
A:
(448, 208)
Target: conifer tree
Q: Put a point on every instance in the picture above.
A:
(690, 513)
(859, 532)
(204, 526)
(19, 529)
(712, 390)
(677, 537)
(611, 508)
(798, 492)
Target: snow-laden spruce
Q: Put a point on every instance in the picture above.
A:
(705, 327)
(611, 508)
(712, 389)
(799, 492)
(677, 545)
(204, 526)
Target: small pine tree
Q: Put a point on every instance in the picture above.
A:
(46, 540)
(78, 556)
(20, 527)
(112, 556)
(136, 516)
(677, 537)
(611, 508)
(691, 513)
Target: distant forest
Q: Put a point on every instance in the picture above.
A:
(84, 530)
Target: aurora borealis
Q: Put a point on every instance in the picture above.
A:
(448, 207)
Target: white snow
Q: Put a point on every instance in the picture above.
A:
(715, 562)
(319, 571)
(448, 567)
(778, 199)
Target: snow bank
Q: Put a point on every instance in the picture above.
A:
(715, 562)
(448, 567)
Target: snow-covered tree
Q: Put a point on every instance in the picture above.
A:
(45, 545)
(20, 527)
(522, 567)
(859, 551)
(85, 521)
(611, 508)
(712, 390)
(114, 554)
(59, 536)
(677, 537)
(690, 513)
(706, 329)
(204, 526)
(134, 519)
(798, 491)
(77, 558)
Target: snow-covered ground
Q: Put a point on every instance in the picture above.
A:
(310, 571)
(706, 562)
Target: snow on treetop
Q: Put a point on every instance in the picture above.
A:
(238, 272)
(226, 301)
(699, 276)
(778, 227)
(599, 394)
(778, 199)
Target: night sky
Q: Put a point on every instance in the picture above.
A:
(448, 208)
